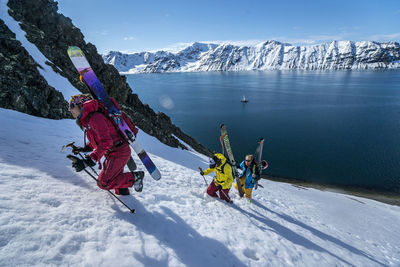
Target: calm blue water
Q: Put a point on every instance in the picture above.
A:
(339, 127)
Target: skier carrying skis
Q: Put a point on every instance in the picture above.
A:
(249, 176)
(104, 140)
(223, 177)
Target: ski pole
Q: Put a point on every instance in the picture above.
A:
(203, 176)
(224, 194)
(74, 159)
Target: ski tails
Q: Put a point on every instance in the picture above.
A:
(87, 74)
(146, 160)
(262, 164)
(228, 150)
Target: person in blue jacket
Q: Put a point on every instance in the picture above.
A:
(249, 176)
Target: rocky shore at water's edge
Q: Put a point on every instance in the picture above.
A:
(391, 198)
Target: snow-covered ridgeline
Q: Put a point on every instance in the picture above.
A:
(264, 56)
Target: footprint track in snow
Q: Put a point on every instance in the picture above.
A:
(251, 254)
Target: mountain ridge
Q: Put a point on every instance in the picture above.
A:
(268, 55)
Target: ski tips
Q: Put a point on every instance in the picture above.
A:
(74, 51)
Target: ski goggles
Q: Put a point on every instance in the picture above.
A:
(79, 99)
(212, 163)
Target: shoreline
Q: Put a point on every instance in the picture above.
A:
(384, 197)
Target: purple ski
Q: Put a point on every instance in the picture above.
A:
(82, 65)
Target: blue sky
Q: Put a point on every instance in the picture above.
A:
(133, 26)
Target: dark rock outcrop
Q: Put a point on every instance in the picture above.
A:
(52, 33)
(22, 86)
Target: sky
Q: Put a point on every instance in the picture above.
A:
(135, 26)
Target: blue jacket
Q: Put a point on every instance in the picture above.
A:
(250, 181)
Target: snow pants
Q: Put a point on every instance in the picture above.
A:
(247, 191)
(112, 176)
(223, 193)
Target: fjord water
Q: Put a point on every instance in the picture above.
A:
(330, 127)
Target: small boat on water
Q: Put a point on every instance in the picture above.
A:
(244, 100)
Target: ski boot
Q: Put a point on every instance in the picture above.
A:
(138, 185)
(122, 191)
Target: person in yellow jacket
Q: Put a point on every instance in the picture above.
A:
(223, 179)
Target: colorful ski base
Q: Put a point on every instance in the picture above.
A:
(83, 67)
(228, 149)
(146, 160)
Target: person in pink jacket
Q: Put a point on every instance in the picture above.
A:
(104, 141)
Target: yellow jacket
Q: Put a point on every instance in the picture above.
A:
(223, 176)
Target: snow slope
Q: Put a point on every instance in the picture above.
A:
(51, 215)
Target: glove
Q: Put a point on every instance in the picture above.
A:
(218, 186)
(81, 164)
(201, 172)
(89, 161)
(78, 149)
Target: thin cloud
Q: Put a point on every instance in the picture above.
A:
(298, 28)
(129, 38)
(103, 32)
(386, 37)
(251, 42)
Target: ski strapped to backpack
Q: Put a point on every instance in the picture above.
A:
(121, 119)
(226, 147)
(261, 164)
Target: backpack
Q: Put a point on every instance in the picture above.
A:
(114, 119)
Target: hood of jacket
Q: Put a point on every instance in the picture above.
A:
(87, 108)
(222, 158)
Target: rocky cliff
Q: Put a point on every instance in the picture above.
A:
(23, 88)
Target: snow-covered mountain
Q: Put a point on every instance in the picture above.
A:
(269, 55)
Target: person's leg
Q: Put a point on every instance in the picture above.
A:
(111, 176)
(224, 195)
(242, 180)
(247, 192)
(212, 189)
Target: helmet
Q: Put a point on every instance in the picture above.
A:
(79, 99)
(214, 161)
